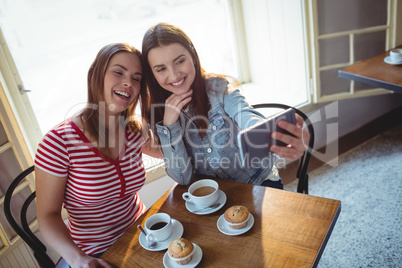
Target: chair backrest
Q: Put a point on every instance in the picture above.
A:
(24, 231)
(302, 175)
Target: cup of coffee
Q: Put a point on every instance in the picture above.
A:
(396, 55)
(159, 226)
(202, 193)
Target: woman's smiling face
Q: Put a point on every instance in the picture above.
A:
(122, 82)
(173, 67)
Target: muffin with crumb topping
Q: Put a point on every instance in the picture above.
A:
(237, 216)
(181, 250)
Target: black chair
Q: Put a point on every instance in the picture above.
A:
(302, 175)
(24, 231)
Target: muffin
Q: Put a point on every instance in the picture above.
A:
(237, 216)
(181, 250)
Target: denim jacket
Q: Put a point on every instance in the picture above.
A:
(217, 153)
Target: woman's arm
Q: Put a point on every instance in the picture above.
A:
(240, 111)
(245, 116)
(177, 162)
(50, 195)
(152, 148)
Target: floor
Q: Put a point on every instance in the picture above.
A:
(368, 182)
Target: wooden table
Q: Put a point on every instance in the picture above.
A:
(375, 72)
(290, 230)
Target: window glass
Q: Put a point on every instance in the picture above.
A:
(3, 136)
(9, 169)
(330, 50)
(355, 14)
(364, 32)
(16, 204)
(53, 42)
(367, 45)
(331, 83)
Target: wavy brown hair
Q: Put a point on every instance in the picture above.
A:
(96, 78)
(164, 34)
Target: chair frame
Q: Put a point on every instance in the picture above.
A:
(302, 175)
(25, 231)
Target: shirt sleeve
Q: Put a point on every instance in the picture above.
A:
(52, 156)
(177, 162)
(240, 111)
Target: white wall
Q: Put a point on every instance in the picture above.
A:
(345, 116)
(153, 190)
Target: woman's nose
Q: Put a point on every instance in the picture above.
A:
(126, 84)
(173, 74)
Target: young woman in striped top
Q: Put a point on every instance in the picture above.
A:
(92, 163)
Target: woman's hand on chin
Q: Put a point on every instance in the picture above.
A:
(173, 106)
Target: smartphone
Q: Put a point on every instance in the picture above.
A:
(254, 142)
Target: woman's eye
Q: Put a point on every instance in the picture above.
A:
(180, 61)
(160, 70)
(117, 72)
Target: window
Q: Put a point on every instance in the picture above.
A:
(54, 53)
(276, 49)
(14, 155)
(367, 28)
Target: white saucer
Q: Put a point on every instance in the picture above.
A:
(389, 61)
(192, 207)
(177, 232)
(197, 256)
(223, 226)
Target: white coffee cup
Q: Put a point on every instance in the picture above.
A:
(202, 193)
(159, 226)
(396, 55)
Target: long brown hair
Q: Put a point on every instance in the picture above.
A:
(164, 34)
(96, 78)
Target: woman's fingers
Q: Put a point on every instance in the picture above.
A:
(175, 100)
(288, 152)
(173, 106)
(297, 141)
(299, 121)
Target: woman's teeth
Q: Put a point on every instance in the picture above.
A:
(178, 83)
(121, 93)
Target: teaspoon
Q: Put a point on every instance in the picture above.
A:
(150, 238)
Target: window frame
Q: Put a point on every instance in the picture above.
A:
(392, 39)
(15, 94)
(265, 53)
(19, 146)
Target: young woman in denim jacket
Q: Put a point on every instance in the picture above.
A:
(197, 115)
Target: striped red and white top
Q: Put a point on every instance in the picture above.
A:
(101, 195)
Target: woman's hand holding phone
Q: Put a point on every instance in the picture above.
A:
(297, 142)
